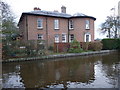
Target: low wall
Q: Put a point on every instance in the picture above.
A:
(58, 56)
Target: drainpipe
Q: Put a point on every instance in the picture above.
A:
(68, 31)
(26, 27)
(46, 33)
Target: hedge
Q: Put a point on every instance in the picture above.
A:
(110, 44)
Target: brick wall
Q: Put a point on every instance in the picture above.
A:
(28, 27)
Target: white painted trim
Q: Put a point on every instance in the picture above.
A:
(89, 37)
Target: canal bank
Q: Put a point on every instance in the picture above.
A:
(57, 56)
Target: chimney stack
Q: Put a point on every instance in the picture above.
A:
(36, 8)
(63, 9)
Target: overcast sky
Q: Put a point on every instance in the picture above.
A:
(99, 9)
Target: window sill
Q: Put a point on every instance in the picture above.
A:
(71, 28)
(64, 42)
(87, 29)
(56, 42)
(40, 28)
(56, 29)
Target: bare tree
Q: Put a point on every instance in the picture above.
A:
(111, 26)
(9, 25)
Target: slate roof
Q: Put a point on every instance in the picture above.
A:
(49, 13)
(57, 14)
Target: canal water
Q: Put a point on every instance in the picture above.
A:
(95, 71)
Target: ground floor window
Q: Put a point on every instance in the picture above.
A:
(87, 37)
(71, 37)
(40, 37)
(64, 37)
(56, 38)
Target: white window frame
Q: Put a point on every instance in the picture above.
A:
(87, 24)
(71, 24)
(70, 38)
(89, 40)
(40, 23)
(40, 36)
(57, 38)
(56, 24)
(64, 37)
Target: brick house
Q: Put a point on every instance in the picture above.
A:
(56, 27)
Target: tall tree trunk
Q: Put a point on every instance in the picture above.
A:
(115, 29)
(109, 33)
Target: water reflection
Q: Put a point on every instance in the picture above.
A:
(79, 72)
(12, 79)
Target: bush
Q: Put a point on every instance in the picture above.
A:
(95, 46)
(12, 48)
(85, 45)
(31, 48)
(75, 47)
(110, 44)
(51, 48)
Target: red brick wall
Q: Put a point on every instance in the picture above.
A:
(48, 28)
(79, 29)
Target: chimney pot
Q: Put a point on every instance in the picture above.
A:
(36, 8)
(55, 10)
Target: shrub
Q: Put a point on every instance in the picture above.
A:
(95, 46)
(75, 47)
(12, 49)
(85, 45)
(51, 48)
